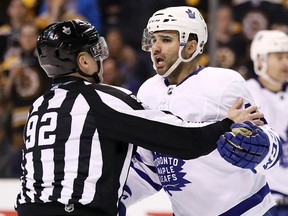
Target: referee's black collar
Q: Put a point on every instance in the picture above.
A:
(65, 79)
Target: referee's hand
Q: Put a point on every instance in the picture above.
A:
(251, 113)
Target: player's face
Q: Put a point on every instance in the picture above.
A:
(278, 66)
(164, 52)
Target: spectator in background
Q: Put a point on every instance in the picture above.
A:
(9, 39)
(57, 10)
(5, 152)
(254, 16)
(112, 75)
(224, 32)
(133, 15)
(9, 32)
(26, 80)
(252, 22)
(111, 10)
(3, 12)
(270, 13)
(90, 9)
(134, 67)
(231, 51)
(269, 53)
(126, 58)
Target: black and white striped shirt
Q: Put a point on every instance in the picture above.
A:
(77, 143)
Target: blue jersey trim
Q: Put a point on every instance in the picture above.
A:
(248, 203)
(279, 193)
(152, 168)
(166, 82)
(262, 119)
(146, 178)
(284, 87)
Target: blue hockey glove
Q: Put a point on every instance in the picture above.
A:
(246, 146)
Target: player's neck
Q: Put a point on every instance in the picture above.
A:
(275, 87)
(181, 72)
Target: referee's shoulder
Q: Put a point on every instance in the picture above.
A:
(125, 95)
(112, 89)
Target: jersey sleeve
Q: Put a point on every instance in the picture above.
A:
(275, 151)
(239, 88)
(120, 118)
(142, 181)
(162, 132)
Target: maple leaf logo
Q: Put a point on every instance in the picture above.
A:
(66, 30)
(170, 172)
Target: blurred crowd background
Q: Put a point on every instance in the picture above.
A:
(231, 24)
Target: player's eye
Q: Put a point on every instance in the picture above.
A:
(166, 40)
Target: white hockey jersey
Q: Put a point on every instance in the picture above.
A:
(274, 106)
(206, 186)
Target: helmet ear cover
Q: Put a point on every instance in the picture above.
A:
(193, 37)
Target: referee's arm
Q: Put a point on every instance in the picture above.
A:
(156, 130)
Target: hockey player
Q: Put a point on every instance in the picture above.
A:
(208, 185)
(269, 53)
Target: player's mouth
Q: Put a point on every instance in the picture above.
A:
(159, 62)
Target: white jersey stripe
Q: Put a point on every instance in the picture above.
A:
(95, 171)
(72, 147)
(58, 99)
(30, 176)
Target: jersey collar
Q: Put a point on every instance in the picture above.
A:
(191, 74)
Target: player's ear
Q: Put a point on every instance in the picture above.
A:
(260, 61)
(191, 47)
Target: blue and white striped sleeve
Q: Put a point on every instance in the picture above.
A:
(142, 181)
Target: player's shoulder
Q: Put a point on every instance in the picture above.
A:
(252, 82)
(154, 79)
(152, 82)
(217, 71)
(220, 78)
(224, 73)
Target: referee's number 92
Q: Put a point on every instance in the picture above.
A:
(46, 124)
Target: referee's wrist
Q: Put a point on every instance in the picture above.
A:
(227, 122)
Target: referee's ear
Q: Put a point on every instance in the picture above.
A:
(87, 63)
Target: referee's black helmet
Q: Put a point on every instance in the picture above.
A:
(60, 43)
